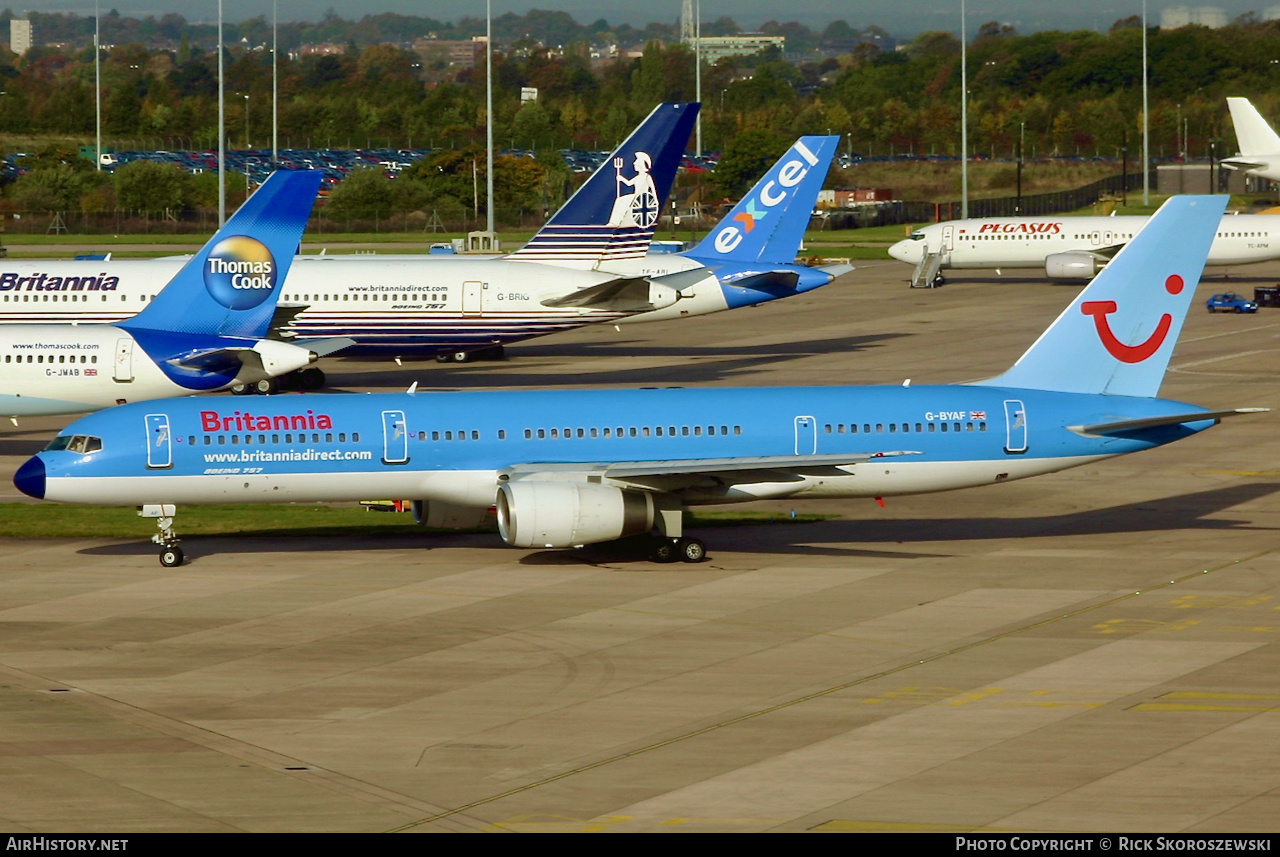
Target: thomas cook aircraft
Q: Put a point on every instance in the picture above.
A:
(588, 265)
(203, 331)
(568, 468)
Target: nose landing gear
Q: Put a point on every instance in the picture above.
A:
(170, 554)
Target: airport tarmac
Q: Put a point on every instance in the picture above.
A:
(1093, 650)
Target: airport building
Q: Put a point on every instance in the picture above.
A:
(716, 48)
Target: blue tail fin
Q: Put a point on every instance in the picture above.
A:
(231, 286)
(768, 224)
(613, 215)
(1119, 333)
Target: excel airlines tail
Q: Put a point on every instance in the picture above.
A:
(749, 257)
(573, 467)
(204, 331)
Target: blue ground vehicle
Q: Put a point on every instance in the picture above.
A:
(1230, 302)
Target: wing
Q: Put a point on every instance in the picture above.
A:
(1133, 425)
(691, 470)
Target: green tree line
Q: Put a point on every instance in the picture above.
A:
(1063, 93)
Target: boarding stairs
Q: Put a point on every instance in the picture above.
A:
(926, 273)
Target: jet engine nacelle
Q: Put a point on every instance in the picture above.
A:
(662, 296)
(450, 516)
(277, 358)
(1073, 266)
(568, 514)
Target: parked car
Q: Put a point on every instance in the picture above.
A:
(1230, 302)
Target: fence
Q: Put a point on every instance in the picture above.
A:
(526, 220)
(206, 222)
(1059, 202)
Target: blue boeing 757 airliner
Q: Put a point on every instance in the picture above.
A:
(567, 468)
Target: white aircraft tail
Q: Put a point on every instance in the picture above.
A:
(1253, 133)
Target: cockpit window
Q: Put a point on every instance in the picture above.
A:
(81, 443)
(917, 236)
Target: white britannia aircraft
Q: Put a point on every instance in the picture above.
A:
(566, 468)
(1258, 142)
(203, 331)
(587, 265)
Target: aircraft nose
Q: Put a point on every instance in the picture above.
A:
(902, 250)
(30, 478)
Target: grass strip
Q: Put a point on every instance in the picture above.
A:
(40, 521)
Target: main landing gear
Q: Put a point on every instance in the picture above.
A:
(310, 378)
(170, 554)
(493, 352)
(672, 544)
(682, 549)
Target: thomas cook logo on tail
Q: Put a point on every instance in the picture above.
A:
(640, 207)
(1119, 350)
(240, 272)
(790, 173)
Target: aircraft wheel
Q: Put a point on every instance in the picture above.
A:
(240, 390)
(691, 550)
(170, 557)
(664, 550)
(461, 356)
(266, 387)
(444, 357)
(939, 280)
(311, 379)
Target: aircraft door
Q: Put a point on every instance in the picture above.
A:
(159, 442)
(1095, 238)
(1015, 427)
(806, 436)
(948, 238)
(472, 290)
(395, 438)
(123, 370)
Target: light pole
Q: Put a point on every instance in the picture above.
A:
(1146, 170)
(97, 76)
(222, 131)
(964, 119)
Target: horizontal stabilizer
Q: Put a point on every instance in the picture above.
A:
(224, 361)
(1241, 164)
(764, 281)
(630, 292)
(326, 346)
(1126, 426)
(838, 270)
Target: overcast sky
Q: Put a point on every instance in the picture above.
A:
(902, 19)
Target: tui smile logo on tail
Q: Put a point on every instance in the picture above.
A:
(1119, 350)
